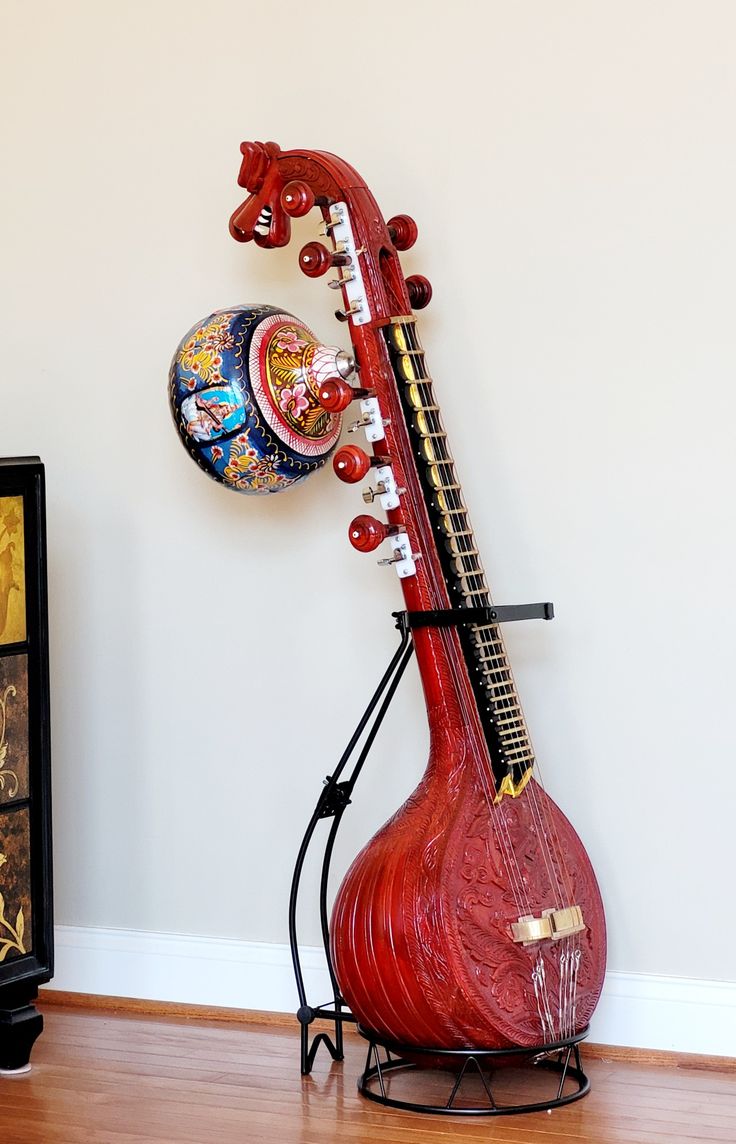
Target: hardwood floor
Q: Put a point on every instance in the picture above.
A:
(106, 1078)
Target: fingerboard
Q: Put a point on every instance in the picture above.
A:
(490, 674)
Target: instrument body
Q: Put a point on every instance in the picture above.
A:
(428, 925)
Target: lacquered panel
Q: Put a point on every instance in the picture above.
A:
(14, 779)
(12, 571)
(15, 884)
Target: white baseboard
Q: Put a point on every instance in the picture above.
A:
(638, 1010)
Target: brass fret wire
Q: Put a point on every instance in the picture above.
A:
(494, 669)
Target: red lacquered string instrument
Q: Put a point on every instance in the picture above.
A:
(473, 917)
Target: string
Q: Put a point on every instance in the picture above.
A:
(496, 670)
(497, 816)
(499, 676)
(510, 858)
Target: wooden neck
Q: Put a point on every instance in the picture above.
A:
(457, 551)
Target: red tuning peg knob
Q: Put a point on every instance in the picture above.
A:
(351, 463)
(403, 231)
(335, 394)
(420, 291)
(366, 533)
(315, 259)
(297, 198)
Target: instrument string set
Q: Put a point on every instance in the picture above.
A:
(505, 698)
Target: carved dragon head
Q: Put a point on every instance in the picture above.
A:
(261, 217)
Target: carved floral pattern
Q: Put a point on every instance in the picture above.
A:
(421, 935)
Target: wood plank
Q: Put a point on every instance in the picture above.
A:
(126, 1078)
(210, 1013)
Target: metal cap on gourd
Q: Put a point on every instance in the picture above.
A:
(244, 393)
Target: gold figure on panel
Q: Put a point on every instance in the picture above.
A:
(11, 937)
(8, 778)
(12, 571)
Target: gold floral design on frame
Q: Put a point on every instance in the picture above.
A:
(12, 571)
(11, 936)
(8, 779)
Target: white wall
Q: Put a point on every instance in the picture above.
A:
(571, 167)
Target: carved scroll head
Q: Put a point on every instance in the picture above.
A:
(261, 217)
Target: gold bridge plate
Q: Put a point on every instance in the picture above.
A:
(551, 924)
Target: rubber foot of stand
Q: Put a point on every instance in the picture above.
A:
(16, 1072)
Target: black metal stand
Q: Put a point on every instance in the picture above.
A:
(334, 798)
(465, 1064)
(332, 802)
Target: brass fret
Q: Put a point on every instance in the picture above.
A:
(461, 532)
(511, 719)
(495, 681)
(524, 753)
(450, 511)
(427, 432)
(428, 450)
(474, 572)
(518, 737)
(438, 484)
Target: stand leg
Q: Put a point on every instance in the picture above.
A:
(20, 1025)
(329, 805)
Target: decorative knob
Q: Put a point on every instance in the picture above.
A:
(420, 291)
(403, 231)
(335, 394)
(366, 533)
(315, 259)
(297, 198)
(351, 463)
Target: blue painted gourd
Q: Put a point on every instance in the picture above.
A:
(243, 388)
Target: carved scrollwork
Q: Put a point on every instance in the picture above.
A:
(8, 778)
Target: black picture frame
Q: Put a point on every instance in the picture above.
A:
(22, 973)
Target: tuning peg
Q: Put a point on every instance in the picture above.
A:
(351, 463)
(338, 283)
(420, 291)
(297, 198)
(315, 259)
(366, 533)
(370, 494)
(403, 230)
(335, 394)
(343, 315)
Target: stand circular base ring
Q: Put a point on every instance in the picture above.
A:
(559, 1058)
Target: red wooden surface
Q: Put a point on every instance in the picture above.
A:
(421, 934)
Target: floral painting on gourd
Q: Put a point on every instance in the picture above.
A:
(12, 571)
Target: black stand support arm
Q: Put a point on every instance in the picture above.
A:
(336, 796)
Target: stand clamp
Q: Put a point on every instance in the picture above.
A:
(453, 617)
